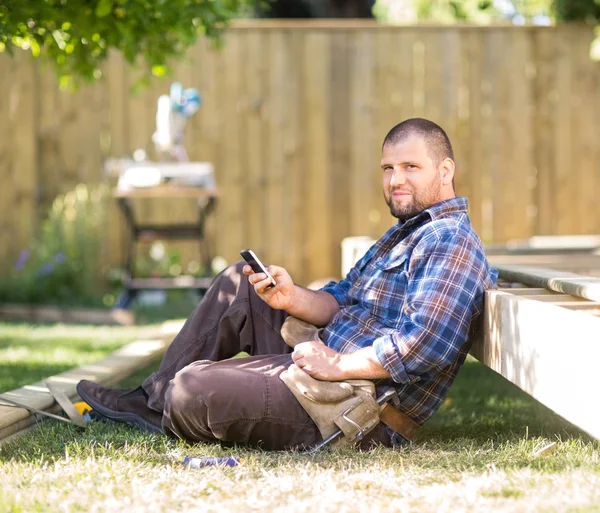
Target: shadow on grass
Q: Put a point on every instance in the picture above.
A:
(482, 405)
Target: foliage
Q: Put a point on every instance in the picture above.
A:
(480, 11)
(582, 10)
(64, 265)
(76, 35)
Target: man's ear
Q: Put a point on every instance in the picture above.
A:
(447, 171)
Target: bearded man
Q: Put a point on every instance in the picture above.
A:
(400, 318)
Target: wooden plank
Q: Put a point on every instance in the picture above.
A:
(545, 79)
(115, 84)
(365, 188)
(9, 92)
(317, 93)
(472, 171)
(489, 132)
(207, 123)
(521, 340)
(564, 171)
(25, 160)
(500, 189)
(295, 187)
(274, 224)
(254, 119)
(233, 204)
(389, 103)
(517, 172)
(558, 281)
(586, 131)
(107, 371)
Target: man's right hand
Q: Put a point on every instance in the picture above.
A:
(279, 297)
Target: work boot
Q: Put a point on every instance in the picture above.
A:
(127, 405)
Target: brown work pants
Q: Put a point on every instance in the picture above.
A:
(206, 396)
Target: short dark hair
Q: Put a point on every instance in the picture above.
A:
(437, 142)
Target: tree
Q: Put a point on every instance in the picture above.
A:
(76, 35)
(583, 10)
(317, 9)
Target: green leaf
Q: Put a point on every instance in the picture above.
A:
(104, 8)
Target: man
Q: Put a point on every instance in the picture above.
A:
(402, 317)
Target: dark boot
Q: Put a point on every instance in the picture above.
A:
(128, 405)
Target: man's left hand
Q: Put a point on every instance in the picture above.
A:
(318, 361)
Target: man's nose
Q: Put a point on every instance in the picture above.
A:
(398, 177)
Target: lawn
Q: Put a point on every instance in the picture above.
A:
(31, 353)
(479, 453)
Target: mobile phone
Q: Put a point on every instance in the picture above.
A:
(257, 266)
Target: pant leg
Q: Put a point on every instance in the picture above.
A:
(230, 318)
(240, 400)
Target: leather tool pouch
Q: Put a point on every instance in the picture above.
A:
(295, 331)
(346, 405)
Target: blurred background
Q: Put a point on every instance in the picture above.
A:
(295, 97)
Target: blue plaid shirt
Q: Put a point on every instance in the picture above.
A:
(414, 297)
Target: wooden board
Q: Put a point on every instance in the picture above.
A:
(108, 371)
(526, 341)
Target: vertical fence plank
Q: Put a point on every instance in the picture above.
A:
(340, 163)
(318, 244)
(513, 212)
(363, 159)
(24, 169)
(564, 182)
(470, 145)
(544, 125)
(275, 203)
(206, 146)
(232, 203)
(118, 132)
(584, 119)
(254, 126)
(295, 186)
(8, 118)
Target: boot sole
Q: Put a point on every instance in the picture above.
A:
(131, 419)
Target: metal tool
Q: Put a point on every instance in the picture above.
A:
(382, 399)
(32, 409)
(65, 403)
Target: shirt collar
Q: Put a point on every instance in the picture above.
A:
(438, 210)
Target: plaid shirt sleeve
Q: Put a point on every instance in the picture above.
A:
(445, 290)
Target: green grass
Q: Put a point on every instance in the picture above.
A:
(477, 453)
(30, 353)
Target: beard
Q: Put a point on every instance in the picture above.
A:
(415, 204)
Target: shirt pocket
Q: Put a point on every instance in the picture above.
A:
(381, 289)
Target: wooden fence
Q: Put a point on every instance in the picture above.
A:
(293, 118)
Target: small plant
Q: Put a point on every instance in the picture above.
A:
(65, 264)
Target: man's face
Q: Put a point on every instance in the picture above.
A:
(411, 181)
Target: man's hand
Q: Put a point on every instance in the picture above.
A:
(318, 361)
(278, 297)
(322, 362)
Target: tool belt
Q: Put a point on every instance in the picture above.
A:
(349, 405)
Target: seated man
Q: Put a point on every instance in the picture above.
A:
(402, 316)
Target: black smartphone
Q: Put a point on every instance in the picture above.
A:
(257, 266)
